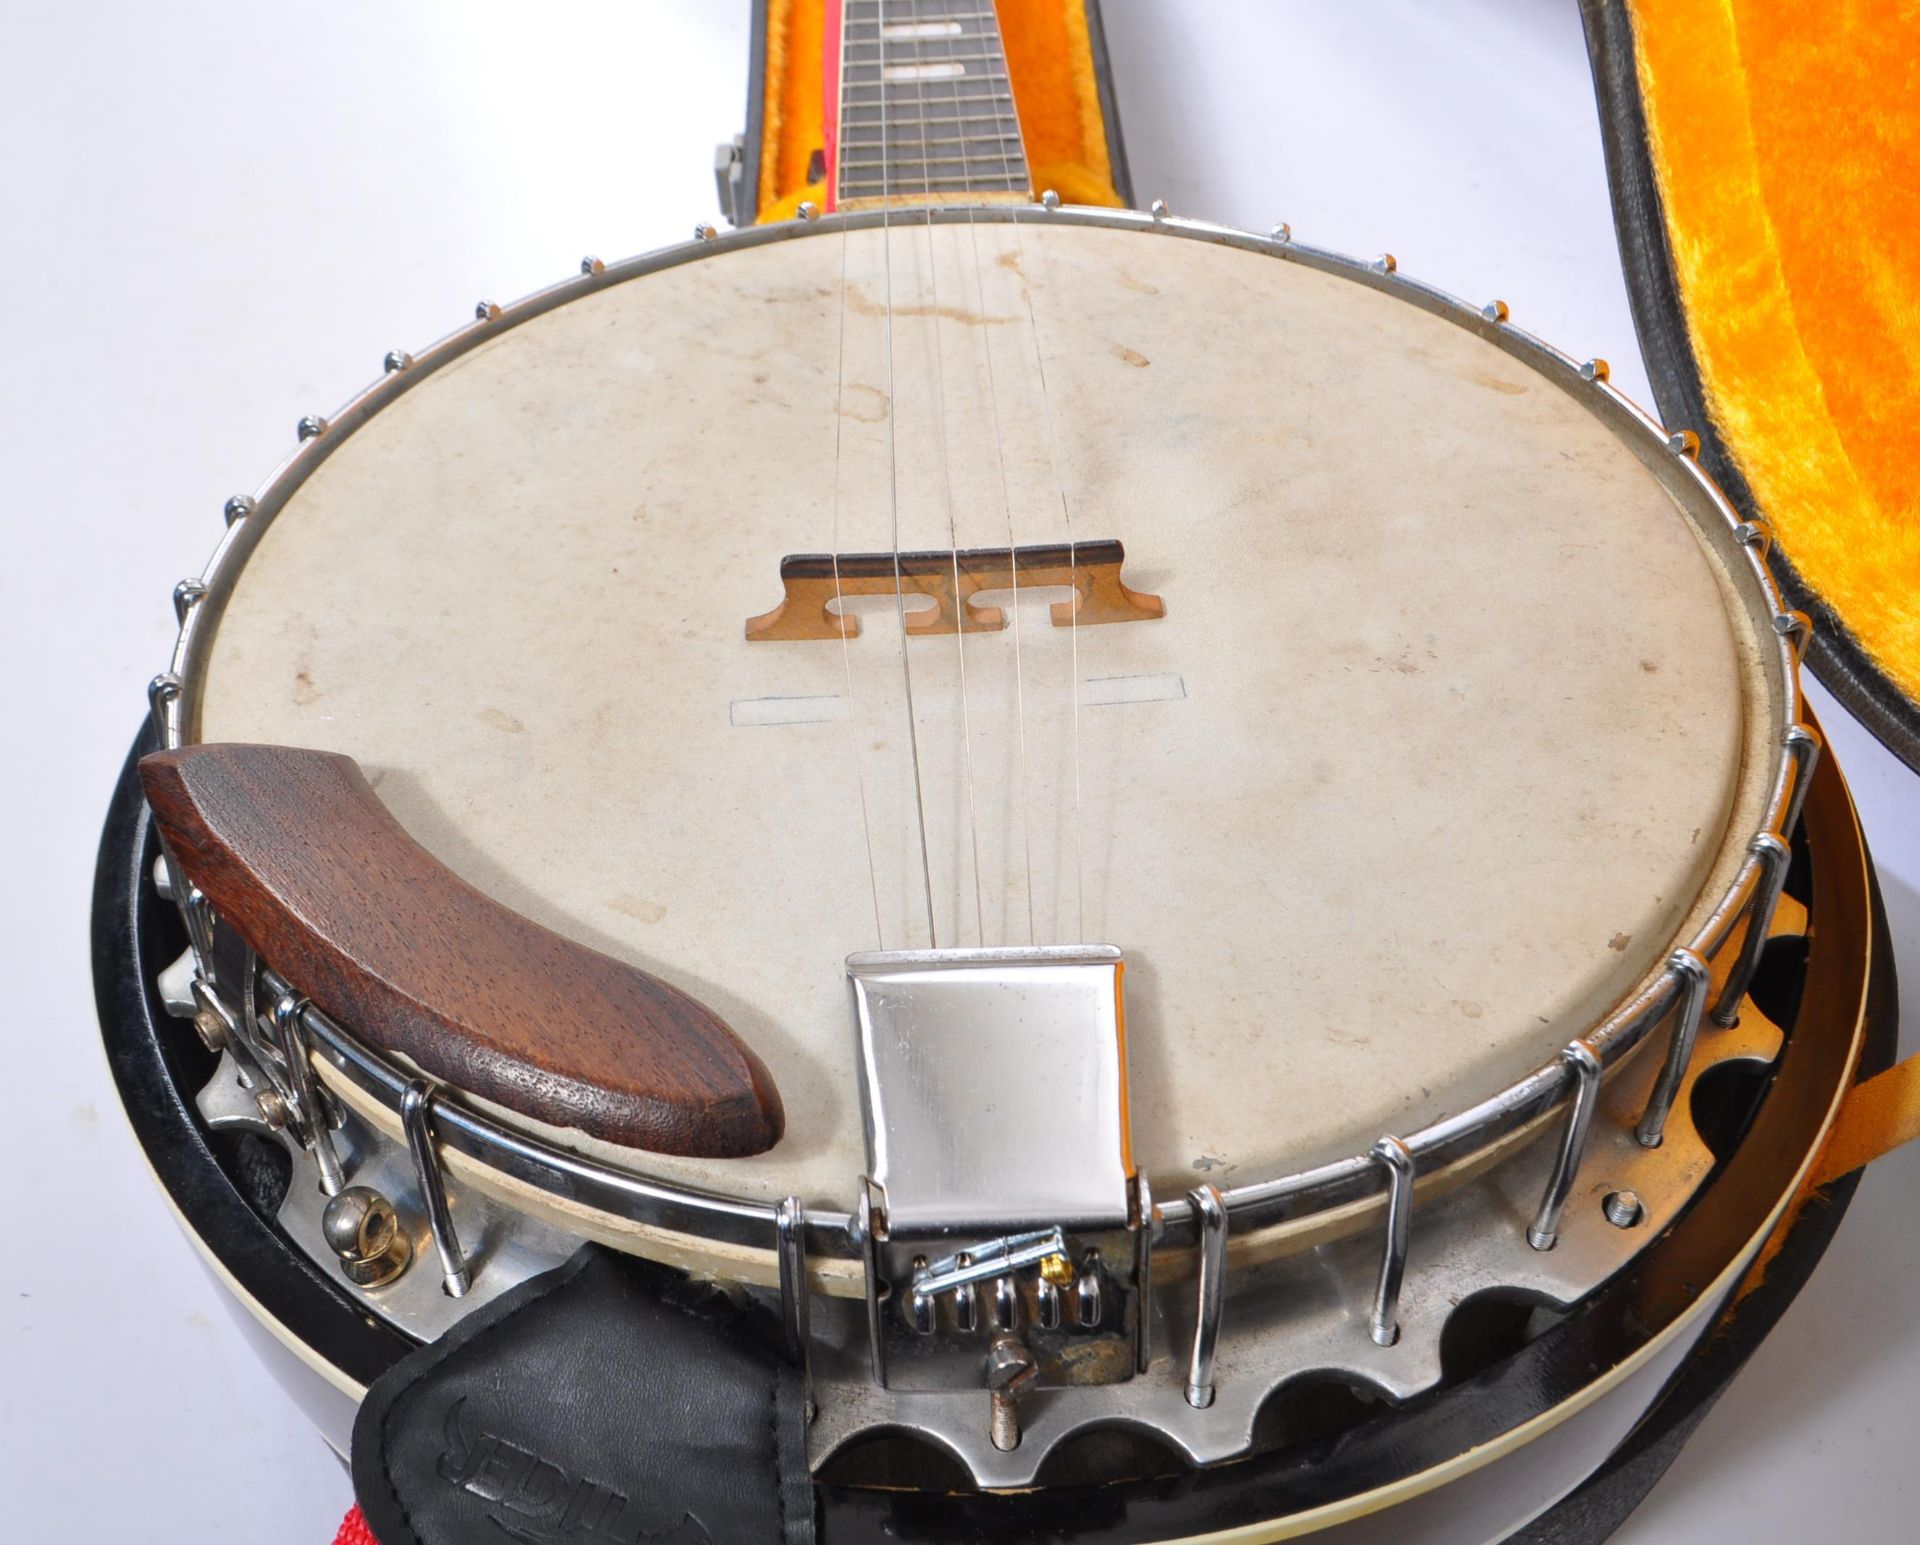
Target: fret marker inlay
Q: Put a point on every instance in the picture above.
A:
(947, 70)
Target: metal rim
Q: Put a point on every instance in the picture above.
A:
(831, 1234)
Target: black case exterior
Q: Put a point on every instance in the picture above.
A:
(1835, 656)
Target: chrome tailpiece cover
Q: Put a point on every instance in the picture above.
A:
(1000, 1196)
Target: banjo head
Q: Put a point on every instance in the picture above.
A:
(1462, 712)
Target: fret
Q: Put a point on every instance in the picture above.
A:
(868, 140)
(913, 160)
(925, 101)
(906, 187)
(872, 49)
(893, 98)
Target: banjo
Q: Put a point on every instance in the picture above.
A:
(1181, 903)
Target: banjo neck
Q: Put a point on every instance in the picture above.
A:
(920, 105)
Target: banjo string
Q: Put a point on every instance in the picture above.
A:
(839, 600)
(1013, 549)
(893, 474)
(953, 531)
(1073, 556)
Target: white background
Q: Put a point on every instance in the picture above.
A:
(218, 216)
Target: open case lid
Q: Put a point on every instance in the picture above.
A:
(1765, 163)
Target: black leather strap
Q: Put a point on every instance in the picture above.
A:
(609, 1402)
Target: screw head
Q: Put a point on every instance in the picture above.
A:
(592, 265)
(239, 507)
(1009, 1364)
(1386, 263)
(396, 359)
(1050, 199)
(211, 1029)
(705, 233)
(1282, 232)
(1495, 311)
(808, 210)
(273, 1109)
(1684, 442)
(1158, 209)
(486, 311)
(311, 427)
(1595, 370)
(361, 1227)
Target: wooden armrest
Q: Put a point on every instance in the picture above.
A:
(296, 852)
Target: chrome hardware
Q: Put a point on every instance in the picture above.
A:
(919, 1312)
(705, 233)
(197, 912)
(306, 1099)
(1755, 533)
(1684, 442)
(486, 311)
(1010, 1369)
(1596, 370)
(1623, 1209)
(1495, 311)
(395, 360)
(1281, 232)
(273, 1108)
(1803, 748)
(1210, 1286)
(1046, 1297)
(238, 508)
(362, 1229)
(808, 210)
(978, 1262)
(1008, 1187)
(592, 266)
(1386, 263)
(1692, 974)
(1773, 856)
(790, 1224)
(1145, 1221)
(936, 1028)
(866, 1229)
(966, 1308)
(210, 1028)
(1087, 1292)
(188, 594)
(1158, 209)
(416, 1120)
(310, 428)
(163, 694)
(1397, 1159)
(1586, 1067)
(1049, 200)
(1006, 1303)
(1797, 628)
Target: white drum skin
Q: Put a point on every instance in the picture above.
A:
(1447, 736)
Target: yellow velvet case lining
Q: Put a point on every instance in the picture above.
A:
(1049, 57)
(1785, 140)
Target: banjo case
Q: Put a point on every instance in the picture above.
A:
(1763, 161)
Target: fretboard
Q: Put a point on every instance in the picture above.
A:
(926, 105)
